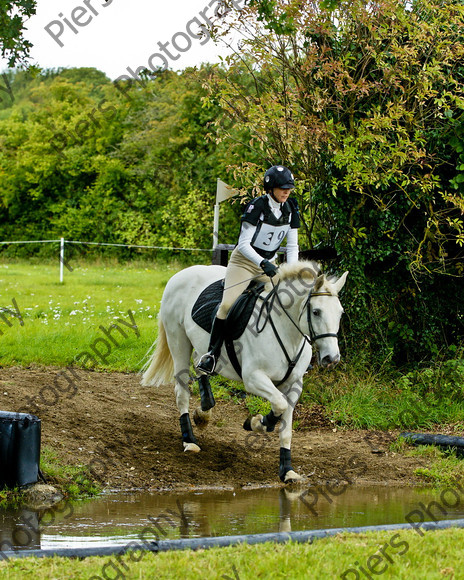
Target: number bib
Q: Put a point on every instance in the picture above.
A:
(269, 237)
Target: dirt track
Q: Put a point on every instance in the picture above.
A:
(129, 436)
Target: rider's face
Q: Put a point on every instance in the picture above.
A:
(281, 195)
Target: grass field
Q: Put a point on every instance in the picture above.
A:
(54, 323)
(403, 555)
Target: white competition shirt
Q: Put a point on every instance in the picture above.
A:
(248, 231)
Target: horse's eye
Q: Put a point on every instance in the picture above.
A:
(316, 312)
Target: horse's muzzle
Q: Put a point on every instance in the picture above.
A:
(330, 361)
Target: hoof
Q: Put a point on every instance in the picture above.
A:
(192, 447)
(254, 424)
(201, 418)
(292, 477)
(247, 424)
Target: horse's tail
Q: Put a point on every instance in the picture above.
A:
(159, 370)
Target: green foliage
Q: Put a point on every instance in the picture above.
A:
(278, 21)
(11, 498)
(441, 384)
(79, 160)
(12, 18)
(73, 481)
(365, 400)
(365, 103)
(257, 405)
(446, 468)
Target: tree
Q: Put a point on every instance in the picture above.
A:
(365, 103)
(12, 18)
(79, 160)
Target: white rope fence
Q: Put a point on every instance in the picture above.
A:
(62, 243)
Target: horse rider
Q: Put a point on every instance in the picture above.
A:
(265, 223)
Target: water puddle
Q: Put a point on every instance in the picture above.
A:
(118, 518)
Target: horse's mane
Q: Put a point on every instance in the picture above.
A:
(302, 270)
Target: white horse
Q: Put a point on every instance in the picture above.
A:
(296, 307)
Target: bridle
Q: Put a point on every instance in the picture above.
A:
(313, 336)
(265, 312)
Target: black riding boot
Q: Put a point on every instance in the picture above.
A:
(208, 361)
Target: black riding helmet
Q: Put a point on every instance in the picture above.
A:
(278, 176)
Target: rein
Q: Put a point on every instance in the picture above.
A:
(265, 312)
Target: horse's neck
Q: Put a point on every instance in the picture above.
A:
(290, 299)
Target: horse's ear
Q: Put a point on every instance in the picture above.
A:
(319, 282)
(338, 285)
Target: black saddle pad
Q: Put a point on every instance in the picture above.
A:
(207, 303)
(205, 308)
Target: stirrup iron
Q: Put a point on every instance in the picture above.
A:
(205, 365)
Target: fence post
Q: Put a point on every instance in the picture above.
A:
(61, 259)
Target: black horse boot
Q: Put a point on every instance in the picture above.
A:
(207, 362)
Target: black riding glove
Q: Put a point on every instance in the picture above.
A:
(268, 268)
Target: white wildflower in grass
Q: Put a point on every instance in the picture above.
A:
(138, 301)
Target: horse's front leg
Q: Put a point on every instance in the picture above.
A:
(258, 383)
(286, 472)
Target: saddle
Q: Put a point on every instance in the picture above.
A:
(207, 304)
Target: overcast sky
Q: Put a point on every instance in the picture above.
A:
(117, 34)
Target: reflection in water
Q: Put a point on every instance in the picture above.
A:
(19, 530)
(117, 518)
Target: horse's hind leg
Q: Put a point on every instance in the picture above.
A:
(202, 414)
(181, 348)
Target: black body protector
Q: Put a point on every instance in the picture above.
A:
(270, 231)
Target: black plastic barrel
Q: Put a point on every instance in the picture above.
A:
(19, 449)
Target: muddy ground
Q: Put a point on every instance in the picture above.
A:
(129, 437)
